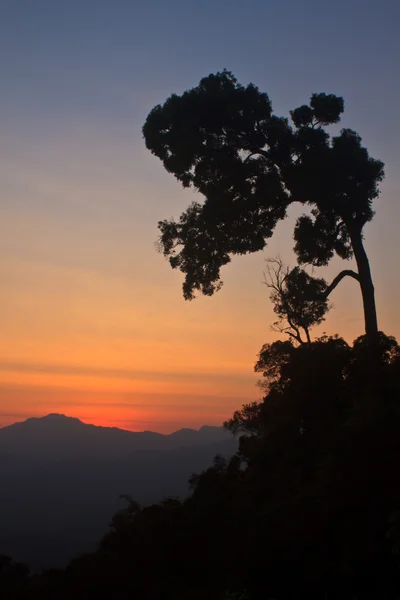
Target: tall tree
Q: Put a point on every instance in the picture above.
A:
(222, 139)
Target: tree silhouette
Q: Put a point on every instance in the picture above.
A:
(13, 577)
(222, 139)
(299, 300)
(307, 507)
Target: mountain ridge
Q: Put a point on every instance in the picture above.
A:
(61, 418)
(55, 438)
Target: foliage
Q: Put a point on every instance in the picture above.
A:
(13, 578)
(222, 139)
(308, 507)
(299, 300)
(309, 504)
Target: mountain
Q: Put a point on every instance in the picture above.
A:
(57, 437)
(61, 480)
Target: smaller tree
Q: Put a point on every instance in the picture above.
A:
(300, 300)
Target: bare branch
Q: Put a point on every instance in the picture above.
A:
(278, 327)
(297, 334)
(338, 279)
(276, 274)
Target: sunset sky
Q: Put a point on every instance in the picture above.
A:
(92, 319)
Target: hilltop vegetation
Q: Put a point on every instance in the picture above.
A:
(309, 505)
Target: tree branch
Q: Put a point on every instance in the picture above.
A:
(338, 279)
(296, 335)
(257, 151)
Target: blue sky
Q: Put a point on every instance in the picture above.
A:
(67, 59)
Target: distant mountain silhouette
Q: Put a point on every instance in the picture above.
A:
(56, 437)
(61, 480)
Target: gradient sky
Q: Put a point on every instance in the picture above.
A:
(92, 320)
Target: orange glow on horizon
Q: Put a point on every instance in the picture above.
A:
(92, 319)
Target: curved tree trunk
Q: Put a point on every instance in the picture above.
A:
(367, 287)
(368, 296)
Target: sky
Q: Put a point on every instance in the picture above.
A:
(92, 319)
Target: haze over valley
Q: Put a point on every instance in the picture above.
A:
(61, 480)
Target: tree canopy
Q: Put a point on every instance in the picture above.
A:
(222, 139)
